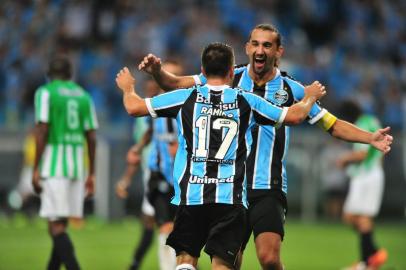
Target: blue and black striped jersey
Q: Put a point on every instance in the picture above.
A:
(163, 133)
(214, 136)
(266, 162)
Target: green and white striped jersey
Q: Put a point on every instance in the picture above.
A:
(69, 111)
(374, 156)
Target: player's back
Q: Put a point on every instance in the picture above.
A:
(214, 126)
(69, 112)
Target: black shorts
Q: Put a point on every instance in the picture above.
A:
(218, 227)
(266, 213)
(160, 193)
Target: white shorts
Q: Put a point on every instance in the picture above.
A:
(62, 198)
(365, 193)
(146, 207)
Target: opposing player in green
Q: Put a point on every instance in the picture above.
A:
(65, 125)
(365, 168)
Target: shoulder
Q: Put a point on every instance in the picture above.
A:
(290, 80)
(240, 68)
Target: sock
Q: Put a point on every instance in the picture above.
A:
(367, 245)
(185, 266)
(54, 262)
(65, 251)
(166, 254)
(142, 247)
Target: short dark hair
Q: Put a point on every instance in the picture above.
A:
(349, 110)
(268, 27)
(217, 59)
(60, 67)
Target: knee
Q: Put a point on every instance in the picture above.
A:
(269, 259)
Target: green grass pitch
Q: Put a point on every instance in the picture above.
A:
(101, 245)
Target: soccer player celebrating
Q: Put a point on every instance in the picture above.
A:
(214, 127)
(65, 119)
(266, 173)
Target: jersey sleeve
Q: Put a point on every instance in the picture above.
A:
(316, 112)
(265, 113)
(199, 79)
(90, 116)
(167, 104)
(42, 105)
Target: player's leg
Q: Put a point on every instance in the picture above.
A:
(167, 256)
(185, 261)
(60, 199)
(267, 218)
(361, 206)
(227, 227)
(62, 250)
(218, 263)
(188, 236)
(148, 224)
(159, 195)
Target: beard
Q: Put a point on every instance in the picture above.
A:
(262, 65)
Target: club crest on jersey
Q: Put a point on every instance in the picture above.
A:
(280, 97)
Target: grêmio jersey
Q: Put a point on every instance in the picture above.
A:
(266, 162)
(69, 112)
(214, 137)
(164, 132)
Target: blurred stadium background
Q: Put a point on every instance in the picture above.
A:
(356, 48)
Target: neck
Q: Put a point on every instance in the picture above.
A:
(261, 79)
(218, 81)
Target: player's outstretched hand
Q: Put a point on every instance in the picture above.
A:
(125, 80)
(316, 89)
(89, 185)
(150, 64)
(381, 140)
(36, 182)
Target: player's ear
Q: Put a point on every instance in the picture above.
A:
(279, 51)
(203, 72)
(246, 48)
(231, 72)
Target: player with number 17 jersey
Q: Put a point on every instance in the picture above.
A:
(214, 124)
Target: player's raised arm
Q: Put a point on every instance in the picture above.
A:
(166, 80)
(299, 111)
(133, 103)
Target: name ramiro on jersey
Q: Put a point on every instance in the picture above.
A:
(216, 109)
(194, 179)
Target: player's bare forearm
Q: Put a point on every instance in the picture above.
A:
(133, 103)
(298, 112)
(91, 147)
(41, 136)
(168, 81)
(352, 157)
(348, 132)
(145, 140)
(152, 65)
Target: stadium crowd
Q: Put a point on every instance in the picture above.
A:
(356, 48)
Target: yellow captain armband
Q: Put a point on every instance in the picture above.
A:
(327, 121)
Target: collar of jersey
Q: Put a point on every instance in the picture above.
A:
(217, 87)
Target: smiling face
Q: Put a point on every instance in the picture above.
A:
(263, 51)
